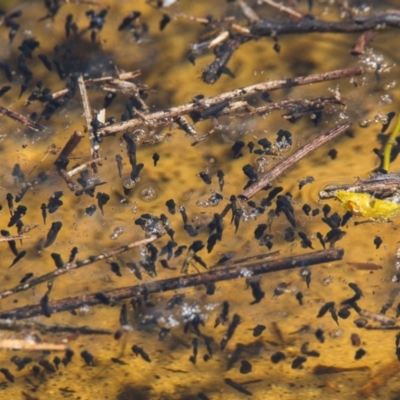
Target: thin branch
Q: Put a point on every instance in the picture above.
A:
(91, 82)
(9, 325)
(71, 266)
(248, 12)
(179, 282)
(167, 116)
(384, 185)
(297, 106)
(72, 185)
(288, 162)
(86, 106)
(10, 238)
(283, 8)
(308, 25)
(20, 344)
(83, 166)
(267, 28)
(22, 119)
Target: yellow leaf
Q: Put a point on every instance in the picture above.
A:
(365, 205)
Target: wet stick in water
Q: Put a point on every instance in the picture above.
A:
(291, 160)
(70, 266)
(161, 286)
(268, 28)
(22, 119)
(167, 116)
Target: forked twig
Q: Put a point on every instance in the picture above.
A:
(167, 116)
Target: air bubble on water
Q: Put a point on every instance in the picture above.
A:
(134, 207)
(381, 119)
(364, 123)
(84, 309)
(246, 273)
(154, 226)
(118, 231)
(261, 161)
(143, 251)
(336, 333)
(148, 193)
(385, 99)
(390, 85)
(213, 200)
(327, 281)
(129, 183)
(373, 62)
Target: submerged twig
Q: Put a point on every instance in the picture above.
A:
(83, 166)
(26, 121)
(179, 282)
(381, 185)
(10, 238)
(105, 79)
(71, 266)
(283, 8)
(267, 28)
(20, 344)
(10, 325)
(288, 162)
(201, 107)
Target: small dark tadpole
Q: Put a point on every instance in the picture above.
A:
(7, 374)
(52, 234)
(19, 256)
(258, 330)
(221, 181)
(377, 242)
(332, 154)
(277, 357)
(88, 358)
(139, 351)
(245, 367)
(102, 200)
(156, 158)
(299, 298)
(297, 363)
(57, 260)
(43, 207)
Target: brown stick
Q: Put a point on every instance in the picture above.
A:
(179, 282)
(104, 79)
(296, 106)
(22, 119)
(283, 8)
(285, 164)
(69, 147)
(69, 267)
(384, 185)
(167, 116)
(9, 325)
(266, 28)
